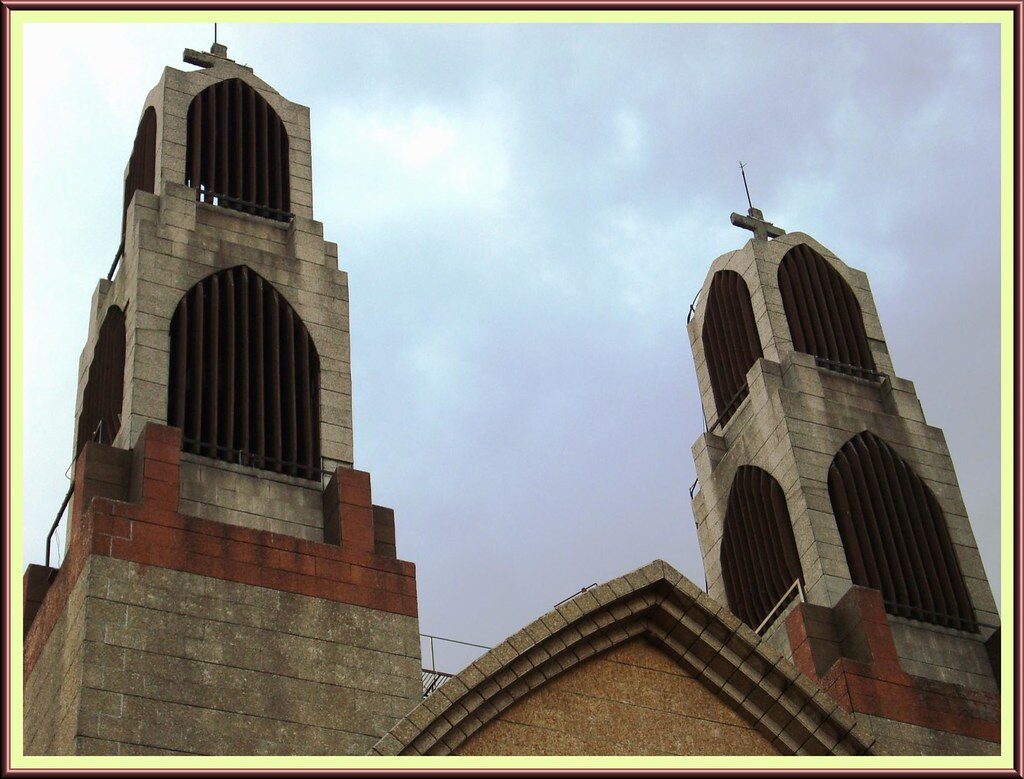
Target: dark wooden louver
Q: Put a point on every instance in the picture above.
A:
(142, 165)
(100, 418)
(822, 311)
(895, 535)
(759, 557)
(731, 342)
(237, 151)
(245, 376)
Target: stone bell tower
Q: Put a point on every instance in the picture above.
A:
(229, 587)
(829, 515)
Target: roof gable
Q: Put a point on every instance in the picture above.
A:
(658, 602)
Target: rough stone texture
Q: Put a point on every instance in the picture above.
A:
(248, 497)
(155, 659)
(172, 242)
(709, 646)
(630, 700)
(164, 633)
(794, 419)
(52, 692)
(849, 650)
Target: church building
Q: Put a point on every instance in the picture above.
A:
(230, 587)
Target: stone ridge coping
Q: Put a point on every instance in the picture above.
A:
(657, 602)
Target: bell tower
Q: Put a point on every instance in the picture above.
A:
(829, 515)
(228, 587)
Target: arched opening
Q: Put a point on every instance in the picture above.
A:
(731, 342)
(142, 165)
(759, 557)
(245, 376)
(100, 418)
(237, 151)
(823, 313)
(895, 536)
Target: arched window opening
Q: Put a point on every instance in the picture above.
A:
(100, 418)
(237, 151)
(142, 165)
(731, 342)
(895, 536)
(759, 557)
(245, 376)
(823, 313)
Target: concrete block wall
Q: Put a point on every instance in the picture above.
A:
(52, 690)
(793, 421)
(244, 496)
(172, 242)
(228, 668)
(168, 633)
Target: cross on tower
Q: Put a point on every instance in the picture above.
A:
(754, 220)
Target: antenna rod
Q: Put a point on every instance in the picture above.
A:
(214, 32)
(745, 187)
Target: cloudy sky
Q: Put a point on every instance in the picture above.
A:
(525, 213)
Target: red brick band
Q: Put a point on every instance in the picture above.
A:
(151, 531)
(874, 683)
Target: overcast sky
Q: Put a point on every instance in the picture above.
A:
(525, 213)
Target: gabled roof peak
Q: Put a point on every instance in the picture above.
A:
(658, 602)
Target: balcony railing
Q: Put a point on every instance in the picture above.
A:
(432, 677)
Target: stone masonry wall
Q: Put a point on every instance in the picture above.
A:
(630, 700)
(53, 689)
(182, 663)
(164, 632)
(244, 496)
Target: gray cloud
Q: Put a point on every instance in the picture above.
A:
(525, 212)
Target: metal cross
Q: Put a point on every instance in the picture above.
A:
(754, 220)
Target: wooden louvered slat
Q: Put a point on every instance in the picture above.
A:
(730, 339)
(104, 385)
(895, 536)
(759, 557)
(822, 310)
(237, 151)
(141, 165)
(244, 382)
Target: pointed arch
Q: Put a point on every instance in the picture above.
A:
(759, 557)
(895, 536)
(236, 153)
(141, 165)
(100, 418)
(245, 376)
(673, 614)
(731, 342)
(822, 310)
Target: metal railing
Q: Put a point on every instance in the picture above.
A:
(117, 259)
(97, 435)
(730, 408)
(852, 370)
(797, 587)
(238, 204)
(56, 521)
(581, 591)
(693, 307)
(921, 615)
(248, 459)
(433, 678)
